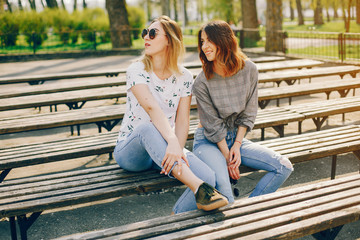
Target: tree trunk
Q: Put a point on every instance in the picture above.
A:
(51, 3)
(274, 35)
(119, 23)
(358, 11)
(20, 5)
(292, 15)
(63, 4)
(250, 19)
(148, 9)
(318, 16)
(176, 17)
(9, 6)
(300, 13)
(84, 4)
(346, 13)
(75, 5)
(185, 13)
(327, 15)
(165, 7)
(42, 4)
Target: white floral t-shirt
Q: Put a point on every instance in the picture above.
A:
(167, 93)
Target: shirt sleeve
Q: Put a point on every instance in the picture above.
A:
(214, 127)
(188, 81)
(248, 116)
(136, 74)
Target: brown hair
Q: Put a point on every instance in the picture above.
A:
(228, 55)
(176, 49)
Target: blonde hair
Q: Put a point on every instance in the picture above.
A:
(175, 50)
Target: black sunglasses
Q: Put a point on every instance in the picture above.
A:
(152, 33)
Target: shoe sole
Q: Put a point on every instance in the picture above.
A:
(213, 205)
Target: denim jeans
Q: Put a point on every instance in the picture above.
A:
(145, 148)
(253, 155)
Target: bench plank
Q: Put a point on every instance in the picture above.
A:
(290, 76)
(40, 78)
(245, 217)
(75, 84)
(68, 97)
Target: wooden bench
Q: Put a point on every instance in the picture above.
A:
(343, 87)
(73, 99)
(108, 116)
(33, 195)
(291, 76)
(41, 78)
(61, 86)
(319, 208)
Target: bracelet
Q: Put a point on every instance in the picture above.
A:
(238, 142)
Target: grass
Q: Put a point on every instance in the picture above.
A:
(333, 26)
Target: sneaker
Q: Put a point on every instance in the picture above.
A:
(208, 198)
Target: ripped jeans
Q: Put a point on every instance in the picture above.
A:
(253, 155)
(145, 149)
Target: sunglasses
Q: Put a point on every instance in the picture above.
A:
(152, 33)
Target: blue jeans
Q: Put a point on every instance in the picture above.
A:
(253, 155)
(145, 149)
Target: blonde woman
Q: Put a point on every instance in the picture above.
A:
(155, 126)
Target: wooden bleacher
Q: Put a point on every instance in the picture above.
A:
(33, 195)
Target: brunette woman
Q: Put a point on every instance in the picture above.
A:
(227, 100)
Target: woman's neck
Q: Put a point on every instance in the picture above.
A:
(160, 68)
(220, 70)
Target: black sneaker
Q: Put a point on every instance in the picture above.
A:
(208, 198)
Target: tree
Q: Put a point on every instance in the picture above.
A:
(176, 18)
(300, 13)
(119, 23)
(250, 19)
(8, 5)
(32, 5)
(346, 6)
(51, 4)
(20, 5)
(274, 36)
(292, 14)
(165, 7)
(75, 5)
(318, 16)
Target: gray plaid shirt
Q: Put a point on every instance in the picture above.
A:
(226, 103)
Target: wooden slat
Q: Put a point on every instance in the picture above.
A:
(245, 216)
(307, 73)
(62, 98)
(306, 89)
(62, 86)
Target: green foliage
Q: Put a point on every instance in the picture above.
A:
(33, 26)
(136, 19)
(227, 10)
(9, 29)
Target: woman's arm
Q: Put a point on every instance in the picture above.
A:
(174, 151)
(182, 121)
(235, 155)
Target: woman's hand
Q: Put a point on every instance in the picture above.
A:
(234, 161)
(174, 153)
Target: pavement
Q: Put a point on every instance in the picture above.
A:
(130, 209)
